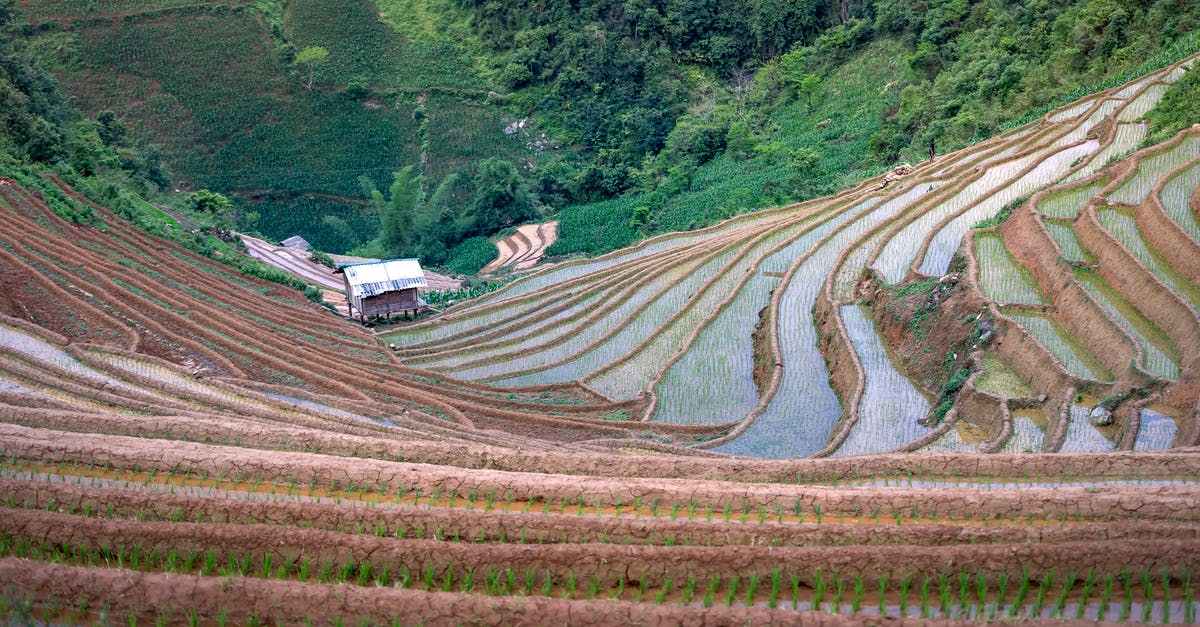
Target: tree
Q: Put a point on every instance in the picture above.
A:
(207, 201)
(397, 214)
(501, 197)
(86, 151)
(31, 105)
(807, 86)
(111, 129)
(222, 209)
(639, 221)
(309, 59)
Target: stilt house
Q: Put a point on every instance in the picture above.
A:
(383, 287)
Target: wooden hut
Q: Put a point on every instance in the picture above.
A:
(377, 288)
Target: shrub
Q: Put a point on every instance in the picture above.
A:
(470, 255)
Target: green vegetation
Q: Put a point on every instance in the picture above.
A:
(44, 136)
(309, 59)
(949, 393)
(31, 115)
(874, 87)
(630, 120)
(240, 118)
(999, 379)
(1179, 109)
(999, 218)
(470, 255)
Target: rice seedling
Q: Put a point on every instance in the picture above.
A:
(889, 401)
(1151, 169)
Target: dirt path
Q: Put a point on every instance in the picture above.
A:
(293, 261)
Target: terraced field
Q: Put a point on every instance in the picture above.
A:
(760, 303)
(183, 445)
(524, 247)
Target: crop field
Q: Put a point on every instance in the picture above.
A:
(1027, 436)
(889, 401)
(997, 378)
(1152, 168)
(1065, 347)
(1128, 137)
(1174, 199)
(740, 302)
(947, 239)
(1067, 202)
(236, 118)
(1124, 229)
(1082, 436)
(1162, 356)
(1001, 279)
(183, 444)
(1068, 243)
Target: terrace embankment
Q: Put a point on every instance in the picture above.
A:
(1162, 306)
(184, 500)
(239, 464)
(243, 599)
(931, 325)
(1025, 234)
(606, 562)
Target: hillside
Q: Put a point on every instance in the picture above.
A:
(628, 121)
(770, 305)
(214, 86)
(185, 444)
(965, 390)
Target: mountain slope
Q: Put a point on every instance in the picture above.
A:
(183, 443)
(766, 304)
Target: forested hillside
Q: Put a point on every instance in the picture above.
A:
(626, 119)
(769, 102)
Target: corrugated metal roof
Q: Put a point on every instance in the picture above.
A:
(376, 277)
(297, 242)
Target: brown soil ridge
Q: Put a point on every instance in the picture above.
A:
(524, 247)
(493, 526)
(684, 257)
(317, 356)
(1154, 503)
(293, 602)
(467, 456)
(1025, 234)
(607, 562)
(1016, 346)
(1158, 303)
(617, 287)
(766, 386)
(1164, 234)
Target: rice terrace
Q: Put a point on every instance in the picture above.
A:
(964, 389)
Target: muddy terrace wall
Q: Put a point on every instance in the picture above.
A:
(295, 602)
(1026, 237)
(136, 454)
(1164, 234)
(1154, 300)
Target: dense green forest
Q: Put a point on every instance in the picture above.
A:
(419, 127)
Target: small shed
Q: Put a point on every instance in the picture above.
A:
(297, 242)
(383, 287)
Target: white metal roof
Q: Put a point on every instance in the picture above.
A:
(377, 277)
